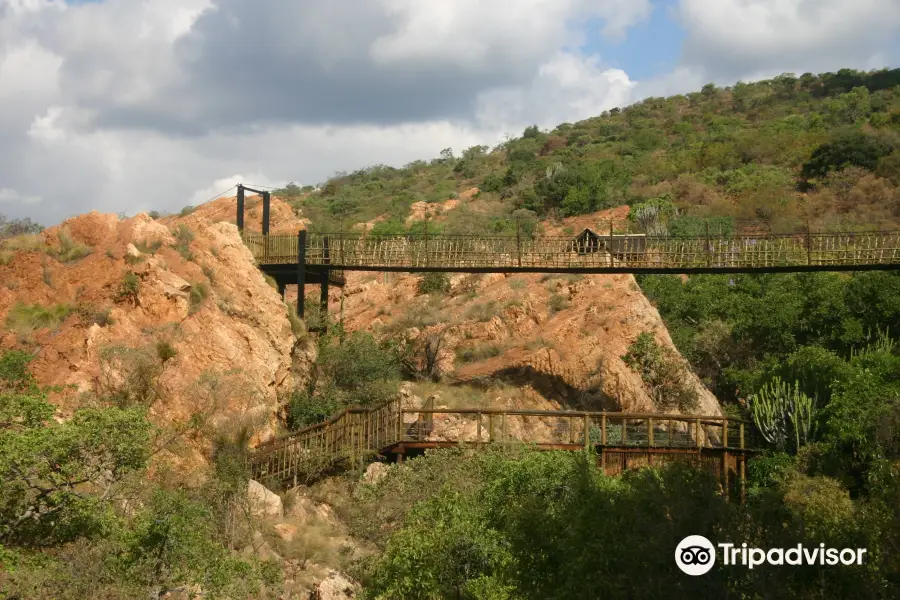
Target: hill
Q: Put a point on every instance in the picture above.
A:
(770, 151)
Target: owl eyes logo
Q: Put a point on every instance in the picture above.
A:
(695, 555)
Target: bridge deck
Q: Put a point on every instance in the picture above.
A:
(621, 440)
(833, 251)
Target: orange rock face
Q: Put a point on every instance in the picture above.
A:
(235, 350)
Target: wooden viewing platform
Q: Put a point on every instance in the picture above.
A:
(620, 440)
(614, 254)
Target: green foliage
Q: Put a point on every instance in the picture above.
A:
(27, 318)
(129, 288)
(434, 282)
(855, 149)
(557, 303)
(547, 525)
(17, 227)
(48, 470)
(663, 372)
(183, 238)
(171, 541)
(353, 370)
(784, 414)
(69, 250)
(199, 293)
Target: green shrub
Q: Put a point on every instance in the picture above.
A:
(434, 282)
(664, 373)
(69, 250)
(129, 288)
(199, 293)
(557, 303)
(183, 238)
(854, 149)
(484, 311)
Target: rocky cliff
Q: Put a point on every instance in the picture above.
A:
(175, 313)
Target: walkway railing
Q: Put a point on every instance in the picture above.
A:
(358, 433)
(614, 252)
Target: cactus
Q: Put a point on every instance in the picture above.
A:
(780, 410)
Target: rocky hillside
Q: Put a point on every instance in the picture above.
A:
(549, 341)
(175, 316)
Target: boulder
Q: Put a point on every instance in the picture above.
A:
(263, 501)
(336, 586)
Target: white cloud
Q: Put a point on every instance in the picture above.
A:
(127, 105)
(124, 105)
(731, 39)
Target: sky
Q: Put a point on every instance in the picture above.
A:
(126, 106)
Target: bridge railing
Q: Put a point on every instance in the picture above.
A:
(567, 428)
(356, 433)
(462, 252)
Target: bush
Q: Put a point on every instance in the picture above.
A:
(665, 375)
(183, 238)
(199, 293)
(70, 250)
(557, 303)
(434, 282)
(129, 288)
(856, 149)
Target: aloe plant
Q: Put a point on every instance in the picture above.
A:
(782, 411)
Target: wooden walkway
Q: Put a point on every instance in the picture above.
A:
(613, 254)
(621, 441)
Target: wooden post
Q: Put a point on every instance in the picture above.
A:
(624, 432)
(490, 427)
(697, 431)
(301, 271)
(587, 433)
(611, 259)
(725, 433)
(478, 430)
(603, 430)
(518, 243)
(742, 435)
(708, 246)
(743, 477)
(808, 245)
(725, 472)
(650, 431)
(503, 432)
(326, 274)
(240, 208)
(267, 200)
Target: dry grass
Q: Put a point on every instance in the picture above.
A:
(25, 319)
(20, 243)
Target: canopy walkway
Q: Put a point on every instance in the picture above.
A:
(628, 253)
(620, 440)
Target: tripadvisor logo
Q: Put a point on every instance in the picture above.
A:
(696, 555)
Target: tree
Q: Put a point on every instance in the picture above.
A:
(58, 479)
(857, 149)
(16, 227)
(664, 374)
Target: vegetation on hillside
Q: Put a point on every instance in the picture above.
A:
(781, 152)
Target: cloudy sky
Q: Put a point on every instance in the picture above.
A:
(131, 105)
